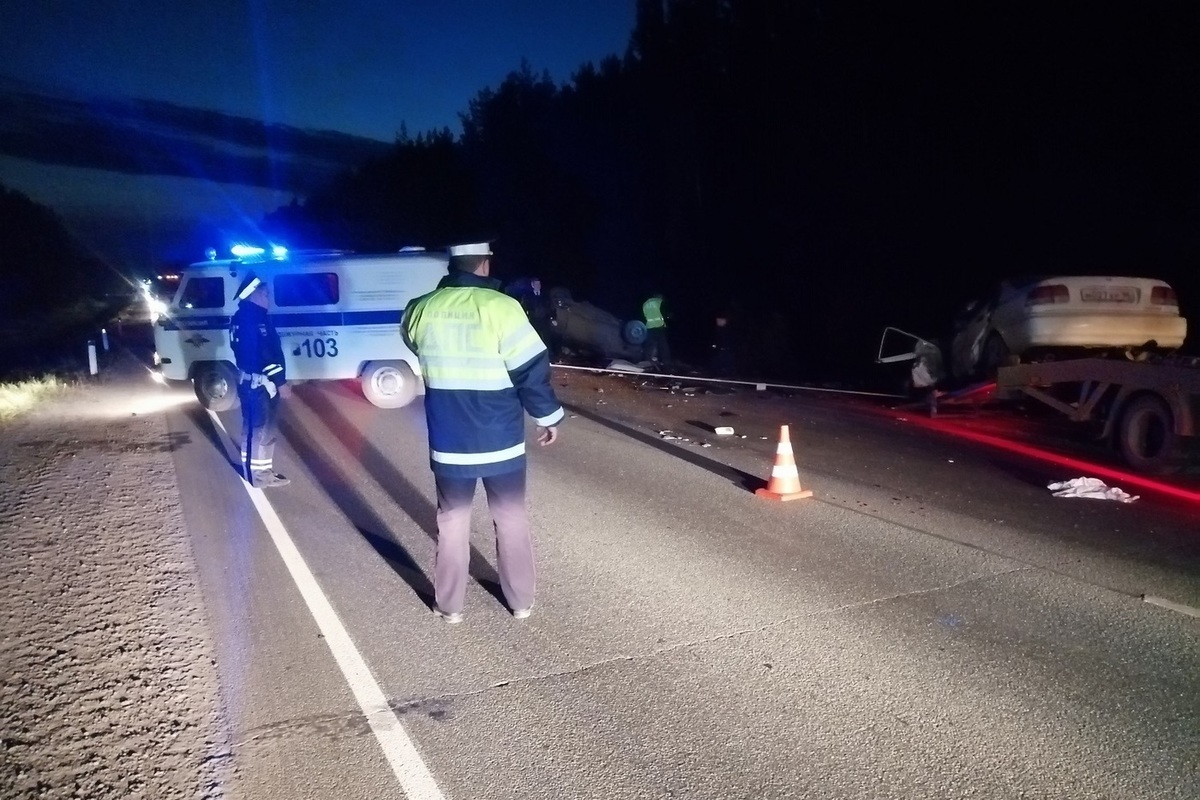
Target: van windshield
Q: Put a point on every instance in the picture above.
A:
(203, 293)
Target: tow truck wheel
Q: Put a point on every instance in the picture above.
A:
(389, 384)
(215, 385)
(1146, 437)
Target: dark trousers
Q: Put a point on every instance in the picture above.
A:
(657, 347)
(514, 539)
(722, 362)
(260, 426)
(547, 331)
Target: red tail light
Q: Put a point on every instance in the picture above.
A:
(1043, 295)
(1163, 296)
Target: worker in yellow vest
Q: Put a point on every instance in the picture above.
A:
(485, 369)
(658, 349)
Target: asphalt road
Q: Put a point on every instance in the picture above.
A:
(931, 624)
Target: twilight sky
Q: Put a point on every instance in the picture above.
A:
(360, 67)
(357, 66)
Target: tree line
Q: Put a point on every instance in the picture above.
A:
(53, 291)
(815, 169)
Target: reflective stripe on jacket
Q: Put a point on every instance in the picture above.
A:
(484, 367)
(652, 311)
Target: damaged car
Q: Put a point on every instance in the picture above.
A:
(1040, 318)
(591, 330)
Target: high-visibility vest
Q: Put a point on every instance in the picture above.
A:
(484, 368)
(652, 311)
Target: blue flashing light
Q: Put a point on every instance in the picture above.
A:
(278, 251)
(244, 250)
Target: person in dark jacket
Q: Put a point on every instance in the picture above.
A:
(528, 292)
(259, 356)
(485, 368)
(723, 348)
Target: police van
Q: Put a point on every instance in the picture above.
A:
(338, 316)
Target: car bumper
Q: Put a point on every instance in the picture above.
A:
(1088, 330)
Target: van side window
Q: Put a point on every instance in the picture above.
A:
(203, 293)
(306, 289)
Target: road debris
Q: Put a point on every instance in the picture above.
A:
(1091, 488)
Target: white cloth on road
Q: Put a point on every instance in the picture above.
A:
(1092, 488)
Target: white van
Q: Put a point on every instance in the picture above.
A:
(338, 316)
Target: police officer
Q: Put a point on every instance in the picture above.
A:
(484, 367)
(259, 357)
(657, 345)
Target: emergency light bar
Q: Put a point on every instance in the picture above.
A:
(250, 251)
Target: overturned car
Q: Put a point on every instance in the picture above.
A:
(593, 331)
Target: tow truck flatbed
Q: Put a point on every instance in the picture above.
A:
(1148, 409)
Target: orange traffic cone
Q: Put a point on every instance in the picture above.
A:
(785, 479)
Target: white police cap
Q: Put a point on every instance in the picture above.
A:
(477, 249)
(248, 286)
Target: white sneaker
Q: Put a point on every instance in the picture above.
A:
(522, 613)
(265, 478)
(452, 617)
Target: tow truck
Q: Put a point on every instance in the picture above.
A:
(1147, 410)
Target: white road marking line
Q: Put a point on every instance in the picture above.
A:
(1163, 602)
(415, 778)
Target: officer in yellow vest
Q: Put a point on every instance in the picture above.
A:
(485, 368)
(658, 349)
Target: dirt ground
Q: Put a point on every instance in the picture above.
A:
(108, 683)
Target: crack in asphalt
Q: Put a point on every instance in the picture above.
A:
(980, 548)
(439, 707)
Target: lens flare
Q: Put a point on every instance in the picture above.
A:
(1142, 482)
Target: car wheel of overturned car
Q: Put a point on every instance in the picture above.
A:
(634, 332)
(1146, 436)
(995, 355)
(389, 384)
(215, 384)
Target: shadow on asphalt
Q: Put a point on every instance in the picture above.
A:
(731, 474)
(406, 496)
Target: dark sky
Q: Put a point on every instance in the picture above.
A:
(357, 66)
(360, 67)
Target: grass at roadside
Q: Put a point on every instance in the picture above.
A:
(17, 398)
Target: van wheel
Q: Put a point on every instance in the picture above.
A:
(389, 384)
(1146, 437)
(215, 384)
